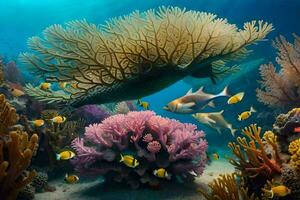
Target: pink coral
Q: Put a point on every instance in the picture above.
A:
(154, 147)
(158, 141)
(147, 138)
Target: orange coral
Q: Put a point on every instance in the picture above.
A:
(16, 151)
(252, 159)
(8, 115)
(282, 88)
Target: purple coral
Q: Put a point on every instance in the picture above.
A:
(153, 140)
(92, 113)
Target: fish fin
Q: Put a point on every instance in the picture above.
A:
(189, 92)
(188, 105)
(224, 92)
(232, 130)
(211, 104)
(200, 90)
(239, 118)
(57, 156)
(252, 109)
(122, 158)
(209, 120)
(221, 112)
(218, 130)
(66, 175)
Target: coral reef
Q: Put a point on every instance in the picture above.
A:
(156, 142)
(294, 150)
(284, 127)
(12, 74)
(226, 188)
(252, 157)
(40, 181)
(115, 62)
(272, 160)
(8, 115)
(282, 89)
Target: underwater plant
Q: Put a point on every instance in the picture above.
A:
(16, 151)
(150, 141)
(282, 89)
(118, 60)
(226, 187)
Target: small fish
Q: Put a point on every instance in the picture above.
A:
(216, 156)
(278, 191)
(162, 173)
(16, 92)
(74, 85)
(193, 102)
(45, 86)
(129, 161)
(297, 129)
(143, 104)
(214, 120)
(38, 122)
(236, 98)
(71, 179)
(65, 155)
(58, 119)
(246, 114)
(62, 85)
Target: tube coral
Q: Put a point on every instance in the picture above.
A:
(282, 89)
(175, 146)
(8, 115)
(115, 62)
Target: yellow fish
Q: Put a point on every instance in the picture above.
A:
(63, 85)
(74, 85)
(236, 98)
(16, 92)
(161, 173)
(216, 156)
(246, 114)
(45, 86)
(143, 104)
(38, 122)
(58, 119)
(65, 155)
(129, 161)
(278, 191)
(71, 179)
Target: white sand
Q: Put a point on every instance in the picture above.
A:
(96, 190)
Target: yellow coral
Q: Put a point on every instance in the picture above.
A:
(270, 137)
(294, 150)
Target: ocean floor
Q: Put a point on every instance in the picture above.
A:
(96, 190)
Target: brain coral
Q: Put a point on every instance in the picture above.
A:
(106, 62)
(177, 147)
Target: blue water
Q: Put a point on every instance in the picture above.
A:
(21, 19)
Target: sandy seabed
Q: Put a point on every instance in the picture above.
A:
(96, 190)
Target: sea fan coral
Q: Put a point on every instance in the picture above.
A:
(116, 61)
(177, 147)
(282, 89)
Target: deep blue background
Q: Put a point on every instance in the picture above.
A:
(20, 19)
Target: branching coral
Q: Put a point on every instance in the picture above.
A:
(161, 47)
(177, 147)
(19, 152)
(252, 157)
(226, 188)
(8, 115)
(282, 89)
